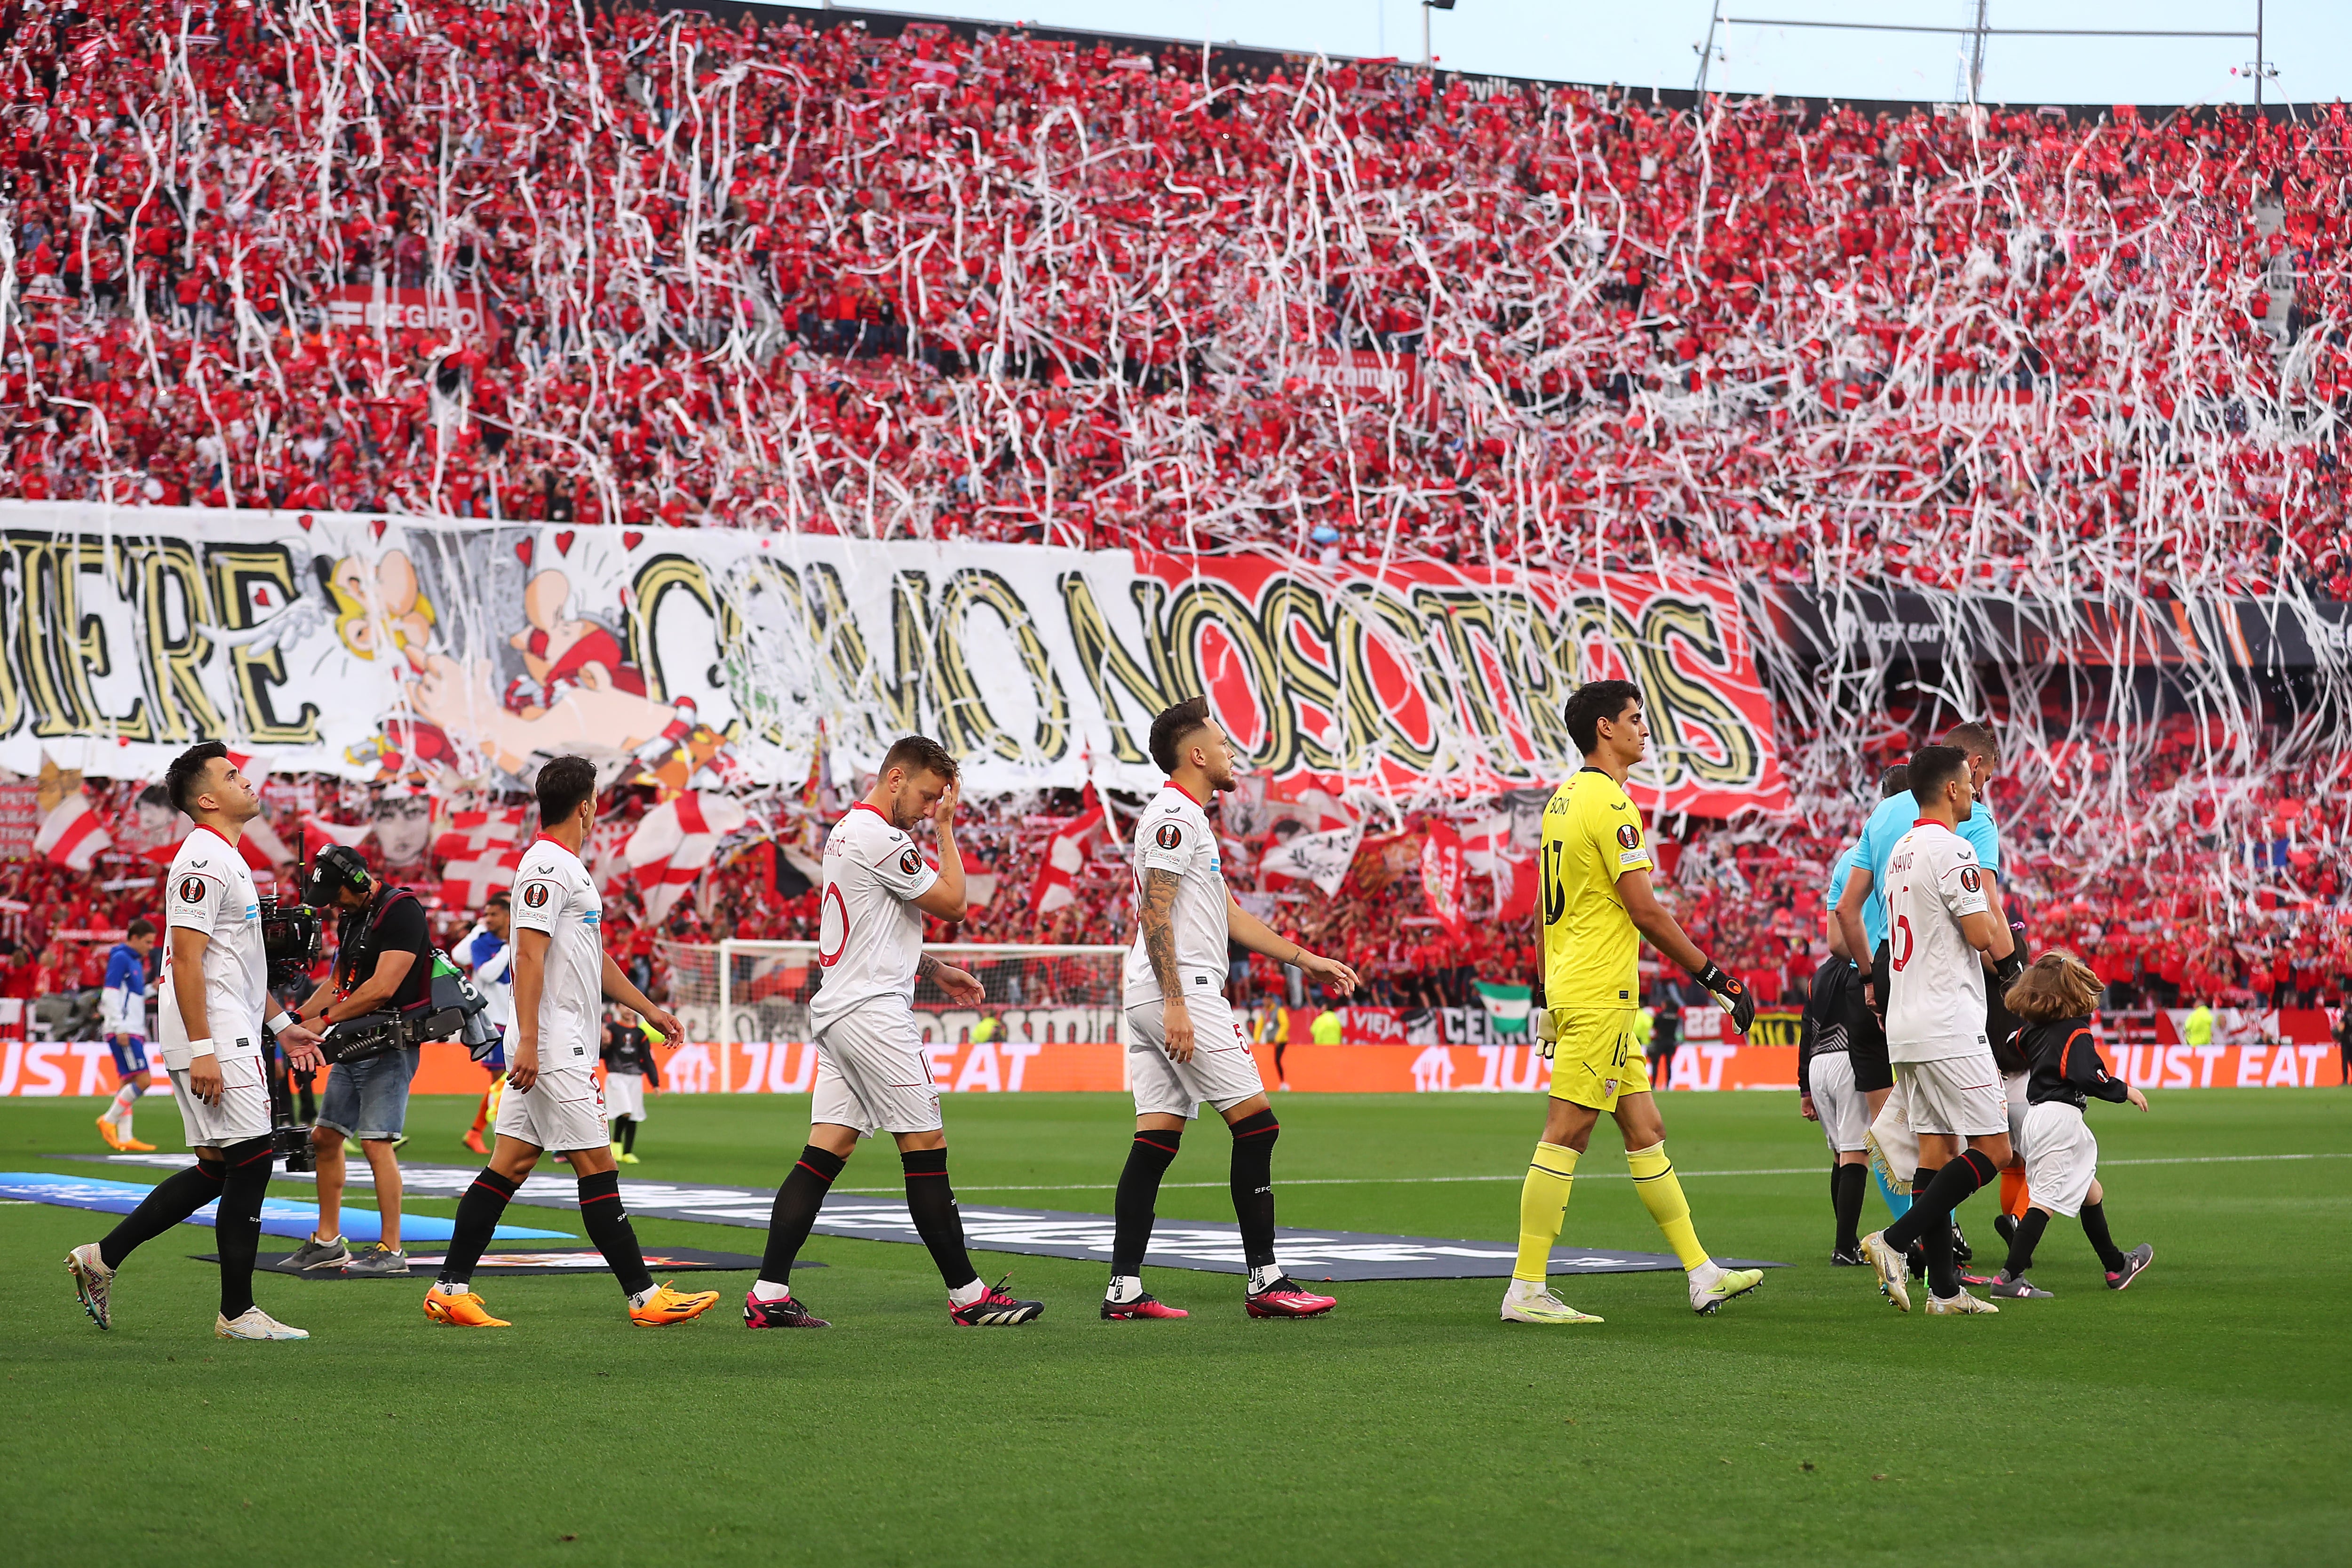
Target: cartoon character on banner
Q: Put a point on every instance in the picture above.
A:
(578, 694)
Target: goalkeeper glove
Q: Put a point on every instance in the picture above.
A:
(1735, 997)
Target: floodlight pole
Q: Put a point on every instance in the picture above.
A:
(1707, 52)
(1976, 58)
(2262, 61)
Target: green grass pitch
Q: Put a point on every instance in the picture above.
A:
(2202, 1417)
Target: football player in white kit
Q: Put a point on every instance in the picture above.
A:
(562, 978)
(872, 1074)
(1938, 919)
(1184, 1046)
(214, 996)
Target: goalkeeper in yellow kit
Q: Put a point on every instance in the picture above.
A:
(1596, 906)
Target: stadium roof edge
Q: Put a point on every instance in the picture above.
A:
(1260, 59)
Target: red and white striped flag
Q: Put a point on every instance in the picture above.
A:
(1065, 854)
(675, 843)
(70, 833)
(478, 855)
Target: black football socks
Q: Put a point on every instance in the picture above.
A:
(1136, 1206)
(1253, 1184)
(797, 1202)
(931, 1203)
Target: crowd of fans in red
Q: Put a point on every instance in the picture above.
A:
(1000, 286)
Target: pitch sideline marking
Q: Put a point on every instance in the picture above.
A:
(1580, 1176)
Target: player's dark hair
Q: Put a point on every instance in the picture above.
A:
(920, 754)
(139, 926)
(1175, 726)
(1894, 781)
(562, 785)
(1974, 740)
(2055, 985)
(1591, 703)
(1933, 767)
(500, 896)
(183, 780)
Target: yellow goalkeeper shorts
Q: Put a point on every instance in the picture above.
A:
(1595, 1057)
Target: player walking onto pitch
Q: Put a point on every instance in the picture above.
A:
(871, 1072)
(1939, 917)
(1184, 1046)
(1597, 905)
(216, 998)
(122, 1019)
(563, 977)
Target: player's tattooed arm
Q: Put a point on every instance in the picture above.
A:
(960, 986)
(1159, 929)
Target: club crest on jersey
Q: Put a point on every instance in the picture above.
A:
(1169, 836)
(1629, 837)
(535, 895)
(191, 890)
(1969, 879)
(911, 862)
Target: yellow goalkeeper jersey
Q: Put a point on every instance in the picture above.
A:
(1592, 835)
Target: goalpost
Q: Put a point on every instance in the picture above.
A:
(759, 991)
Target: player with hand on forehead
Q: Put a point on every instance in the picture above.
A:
(1596, 905)
(1184, 1046)
(872, 1074)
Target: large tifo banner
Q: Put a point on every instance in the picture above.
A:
(370, 645)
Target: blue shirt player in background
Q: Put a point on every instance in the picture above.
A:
(123, 1019)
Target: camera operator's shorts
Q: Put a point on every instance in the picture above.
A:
(1222, 1072)
(243, 1111)
(368, 1099)
(561, 1112)
(872, 1074)
(625, 1095)
(1593, 1059)
(129, 1055)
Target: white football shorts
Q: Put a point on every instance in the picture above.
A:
(625, 1095)
(872, 1073)
(2062, 1157)
(243, 1111)
(2013, 1086)
(1222, 1072)
(1845, 1115)
(1960, 1097)
(560, 1110)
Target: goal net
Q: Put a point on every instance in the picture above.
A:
(757, 992)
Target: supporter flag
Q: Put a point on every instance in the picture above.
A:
(351, 835)
(1441, 876)
(1507, 1006)
(1064, 855)
(1322, 858)
(792, 874)
(478, 855)
(1491, 852)
(675, 842)
(70, 833)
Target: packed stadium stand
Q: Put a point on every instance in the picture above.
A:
(896, 279)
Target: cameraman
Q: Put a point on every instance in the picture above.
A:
(215, 1003)
(383, 965)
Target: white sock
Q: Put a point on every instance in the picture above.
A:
(639, 1297)
(452, 1287)
(965, 1295)
(119, 1112)
(769, 1290)
(1263, 1277)
(1124, 1288)
(1704, 1275)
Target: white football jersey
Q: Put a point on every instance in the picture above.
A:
(554, 894)
(1173, 834)
(210, 889)
(869, 934)
(1936, 1001)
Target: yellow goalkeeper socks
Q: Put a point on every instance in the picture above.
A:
(1654, 1178)
(1543, 1202)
